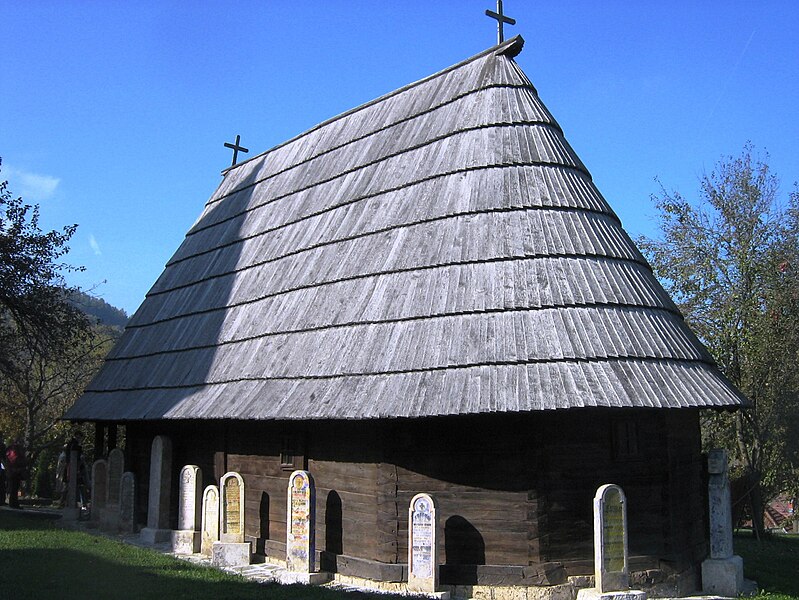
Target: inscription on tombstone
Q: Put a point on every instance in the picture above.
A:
(116, 466)
(127, 494)
(188, 515)
(232, 525)
(210, 520)
(422, 546)
(610, 539)
(300, 523)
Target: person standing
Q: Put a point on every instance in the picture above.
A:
(17, 471)
(2, 471)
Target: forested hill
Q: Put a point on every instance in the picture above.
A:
(100, 310)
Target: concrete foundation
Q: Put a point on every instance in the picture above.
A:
(723, 576)
(230, 554)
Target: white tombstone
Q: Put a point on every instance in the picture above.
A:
(300, 529)
(187, 538)
(109, 517)
(127, 502)
(210, 519)
(722, 573)
(611, 571)
(422, 545)
(160, 492)
(231, 550)
(99, 488)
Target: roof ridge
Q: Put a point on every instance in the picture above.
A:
(510, 48)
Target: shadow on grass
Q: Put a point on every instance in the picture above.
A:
(41, 560)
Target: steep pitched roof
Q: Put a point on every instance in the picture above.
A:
(441, 250)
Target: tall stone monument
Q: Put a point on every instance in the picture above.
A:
(723, 572)
(71, 509)
(231, 550)
(611, 570)
(99, 489)
(127, 502)
(160, 493)
(210, 519)
(422, 545)
(301, 529)
(187, 538)
(116, 466)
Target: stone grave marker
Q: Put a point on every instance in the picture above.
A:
(210, 519)
(71, 511)
(160, 492)
(99, 488)
(127, 496)
(422, 545)
(611, 570)
(231, 550)
(610, 539)
(722, 573)
(300, 529)
(232, 524)
(187, 538)
(299, 524)
(116, 466)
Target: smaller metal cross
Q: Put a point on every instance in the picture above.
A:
(501, 20)
(236, 149)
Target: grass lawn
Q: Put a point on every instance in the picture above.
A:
(40, 560)
(772, 563)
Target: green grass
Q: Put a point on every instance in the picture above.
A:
(773, 563)
(40, 560)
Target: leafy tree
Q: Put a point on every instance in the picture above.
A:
(730, 260)
(47, 344)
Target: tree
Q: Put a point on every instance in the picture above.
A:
(34, 302)
(45, 340)
(730, 261)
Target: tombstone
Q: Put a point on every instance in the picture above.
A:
(231, 550)
(300, 529)
(71, 510)
(722, 573)
(187, 538)
(611, 570)
(159, 496)
(210, 519)
(422, 545)
(109, 517)
(99, 489)
(127, 497)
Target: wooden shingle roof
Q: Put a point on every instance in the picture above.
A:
(441, 250)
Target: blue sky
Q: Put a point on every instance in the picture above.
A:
(113, 114)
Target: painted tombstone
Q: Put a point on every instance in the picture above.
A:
(300, 523)
(610, 539)
(210, 519)
(116, 466)
(231, 528)
(422, 546)
(127, 493)
(99, 487)
(188, 513)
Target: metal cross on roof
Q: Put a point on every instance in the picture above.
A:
(501, 20)
(236, 149)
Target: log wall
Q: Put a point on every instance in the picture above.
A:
(514, 491)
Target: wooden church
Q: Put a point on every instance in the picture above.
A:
(425, 294)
